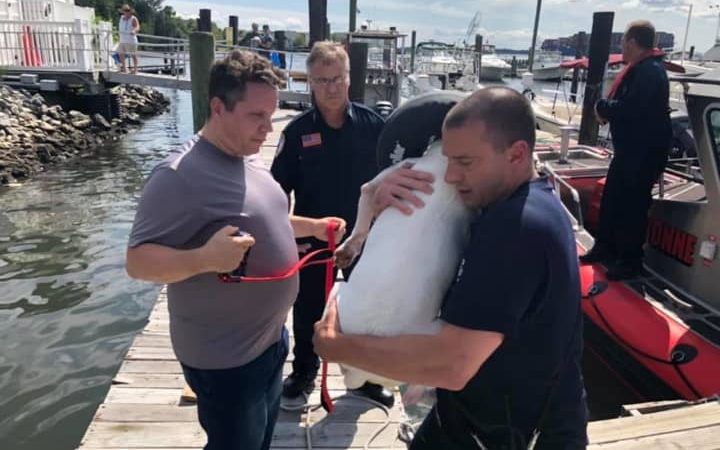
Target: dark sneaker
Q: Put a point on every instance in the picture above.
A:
(296, 385)
(598, 254)
(624, 270)
(377, 393)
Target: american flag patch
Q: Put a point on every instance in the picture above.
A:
(311, 140)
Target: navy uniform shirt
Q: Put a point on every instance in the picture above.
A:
(639, 114)
(519, 277)
(325, 167)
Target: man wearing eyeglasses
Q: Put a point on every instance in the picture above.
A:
(325, 155)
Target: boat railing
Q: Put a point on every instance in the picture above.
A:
(558, 180)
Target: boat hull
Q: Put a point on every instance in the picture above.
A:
(658, 354)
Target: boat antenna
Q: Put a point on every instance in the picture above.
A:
(472, 27)
(687, 28)
(531, 56)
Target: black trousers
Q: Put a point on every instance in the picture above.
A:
(625, 203)
(308, 308)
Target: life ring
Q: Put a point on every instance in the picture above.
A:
(414, 125)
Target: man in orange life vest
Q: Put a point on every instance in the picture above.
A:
(639, 115)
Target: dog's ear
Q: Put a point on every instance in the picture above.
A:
(412, 127)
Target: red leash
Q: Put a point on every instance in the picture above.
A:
(325, 399)
(305, 261)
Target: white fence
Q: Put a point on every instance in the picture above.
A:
(52, 46)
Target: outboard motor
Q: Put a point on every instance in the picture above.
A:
(384, 108)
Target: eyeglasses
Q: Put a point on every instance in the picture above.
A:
(325, 82)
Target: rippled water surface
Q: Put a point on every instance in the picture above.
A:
(68, 312)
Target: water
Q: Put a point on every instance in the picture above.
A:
(68, 311)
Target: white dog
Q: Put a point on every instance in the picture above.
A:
(407, 264)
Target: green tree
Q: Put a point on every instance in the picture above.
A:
(154, 18)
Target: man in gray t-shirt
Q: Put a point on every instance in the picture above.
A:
(229, 337)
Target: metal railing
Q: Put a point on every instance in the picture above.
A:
(559, 180)
(53, 45)
(78, 47)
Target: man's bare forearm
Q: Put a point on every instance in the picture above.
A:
(303, 226)
(417, 359)
(160, 264)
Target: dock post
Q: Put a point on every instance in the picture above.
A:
(478, 54)
(358, 71)
(579, 53)
(204, 21)
(318, 20)
(692, 52)
(281, 45)
(233, 22)
(202, 55)
(353, 15)
(514, 67)
(598, 54)
(413, 36)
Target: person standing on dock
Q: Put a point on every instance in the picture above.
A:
(324, 157)
(266, 42)
(638, 110)
(247, 39)
(230, 338)
(506, 361)
(128, 28)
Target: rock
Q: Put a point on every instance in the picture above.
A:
(101, 121)
(44, 152)
(47, 127)
(132, 119)
(81, 124)
(77, 114)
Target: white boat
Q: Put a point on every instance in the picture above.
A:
(444, 64)
(492, 68)
(546, 65)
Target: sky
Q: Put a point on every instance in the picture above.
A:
(505, 23)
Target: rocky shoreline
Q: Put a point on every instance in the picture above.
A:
(34, 134)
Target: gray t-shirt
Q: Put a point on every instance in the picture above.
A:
(187, 198)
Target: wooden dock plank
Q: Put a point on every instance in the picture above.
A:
(664, 422)
(707, 438)
(287, 435)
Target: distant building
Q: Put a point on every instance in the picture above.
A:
(566, 45)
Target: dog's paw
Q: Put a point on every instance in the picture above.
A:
(346, 254)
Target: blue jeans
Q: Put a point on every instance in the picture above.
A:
(238, 407)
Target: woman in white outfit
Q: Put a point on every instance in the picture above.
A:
(128, 29)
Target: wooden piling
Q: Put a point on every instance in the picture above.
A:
(413, 36)
(318, 20)
(598, 53)
(353, 15)
(205, 21)
(478, 53)
(202, 55)
(358, 71)
(233, 22)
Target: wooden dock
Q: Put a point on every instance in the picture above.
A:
(144, 409)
